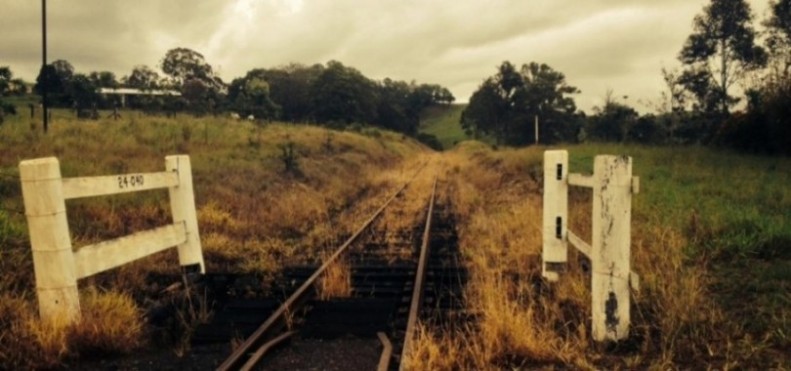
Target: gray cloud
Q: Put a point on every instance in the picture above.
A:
(597, 44)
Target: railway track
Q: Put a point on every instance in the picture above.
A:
(416, 275)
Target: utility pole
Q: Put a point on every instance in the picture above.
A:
(44, 62)
(536, 128)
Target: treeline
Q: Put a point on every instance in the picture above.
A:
(697, 106)
(9, 86)
(332, 94)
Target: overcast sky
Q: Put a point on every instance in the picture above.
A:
(597, 44)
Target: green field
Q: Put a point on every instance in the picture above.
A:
(734, 212)
(443, 123)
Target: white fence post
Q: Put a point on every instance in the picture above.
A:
(53, 260)
(554, 250)
(610, 256)
(182, 202)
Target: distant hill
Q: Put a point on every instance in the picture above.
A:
(443, 122)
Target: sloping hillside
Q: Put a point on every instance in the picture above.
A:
(443, 123)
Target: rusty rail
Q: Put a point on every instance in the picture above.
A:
(417, 290)
(247, 355)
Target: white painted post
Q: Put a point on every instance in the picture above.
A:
(554, 251)
(182, 203)
(610, 256)
(53, 259)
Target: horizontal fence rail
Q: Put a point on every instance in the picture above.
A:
(609, 252)
(58, 267)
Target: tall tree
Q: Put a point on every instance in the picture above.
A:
(103, 79)
(343, 94)
(5, 84)
(57, 77)
(81, 89)
(718, 52)
(5, 79)
(250, 96)
(486, 111)
(394, 111)
(506, 105)
(290, 87)
(142, 77)
(183, 64)
(195, 78)
(779, 39)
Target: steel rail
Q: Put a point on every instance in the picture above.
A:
(255, 357)
(387, 352)
(417, 290)
(239, 359)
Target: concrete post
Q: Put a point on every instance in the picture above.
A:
(182, 203)
(45, 208)
(555, 248)
(610, 256)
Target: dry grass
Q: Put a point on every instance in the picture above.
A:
(336, 281)
(525, 323)
(253, 215)
(111, 325)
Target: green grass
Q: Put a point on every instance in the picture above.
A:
(739, 202)
(734, 211)
(443, 122)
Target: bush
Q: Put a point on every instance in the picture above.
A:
(430, 140)
(765, 127)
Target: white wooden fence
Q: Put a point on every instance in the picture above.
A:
(609, 252)
(58, 267)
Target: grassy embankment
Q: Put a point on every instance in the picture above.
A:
(711, 241)
(252, 213)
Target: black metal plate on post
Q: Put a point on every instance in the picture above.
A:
(558, 227)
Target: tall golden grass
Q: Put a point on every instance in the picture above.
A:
(253, 214)
(677, 322)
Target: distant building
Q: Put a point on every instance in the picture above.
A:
(123, 92)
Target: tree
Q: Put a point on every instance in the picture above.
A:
(5, 84)
(5, 79)
(183, 64)
(56, 76)
(613, 121)
(506, 105)
(196, 93)
(142, 77)
(63, 69)
(718, 52)
(393, 110)
(250, 96)
(190, 73)
(778, 41)
(103, 79)
(290, 88)
(486, 111)
(81, 89)
(343, 94)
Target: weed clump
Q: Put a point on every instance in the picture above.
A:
(111, 324)
(289, 158)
